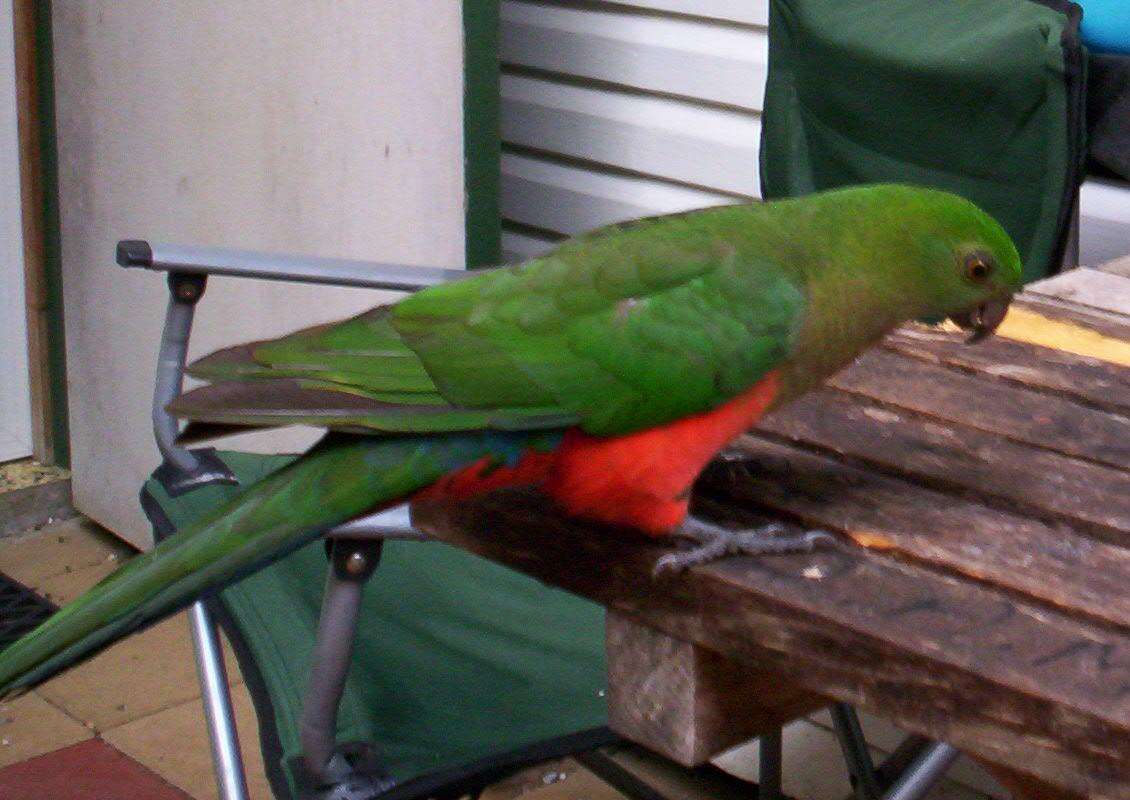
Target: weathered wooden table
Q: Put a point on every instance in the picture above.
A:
(980, 590)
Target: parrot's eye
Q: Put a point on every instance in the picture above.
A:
(978, 267)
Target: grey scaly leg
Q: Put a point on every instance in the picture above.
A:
(717, 542)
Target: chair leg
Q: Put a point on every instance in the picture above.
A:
(218, 714)
(1071, 252)
(861, 768)
(923, 773)
(770, 749)
(330, 770)
(352, 563)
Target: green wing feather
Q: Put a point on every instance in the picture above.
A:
(625, 328)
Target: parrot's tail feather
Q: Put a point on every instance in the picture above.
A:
(337, 480)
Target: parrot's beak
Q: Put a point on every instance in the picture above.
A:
(982, 320)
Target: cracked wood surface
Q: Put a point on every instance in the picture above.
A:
(979, 592)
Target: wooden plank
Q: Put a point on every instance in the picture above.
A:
(1120, 266)
(1025, 787)
(1046, 421)
(1026, 325)
(973, 463)
(1105, 199)
(1047, 562)
(1106, 323)
(647, 151)
(560, 209)
(32, 507)
(1083, 379)
(529, 779)
(1087, 287)
(1029, 687)
(689, 703)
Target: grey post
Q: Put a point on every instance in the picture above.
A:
(356, 550)
(770, 765)
(352, 563)
(860, 767)
(923, 773)
(222, 735)
(180, 471)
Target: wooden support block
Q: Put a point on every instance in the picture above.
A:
(1025, 787)
(689, 703)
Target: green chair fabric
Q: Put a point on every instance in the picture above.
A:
(980, 97)
(460, 664)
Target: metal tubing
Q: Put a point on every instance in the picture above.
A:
(1071, 251)
(329, 667)
(861, 767)
(925, 771)
(170, 378)
(770, 751)
(302, 269)
(392, 523)
(217, 705)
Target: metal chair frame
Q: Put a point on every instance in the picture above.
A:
(356, 546)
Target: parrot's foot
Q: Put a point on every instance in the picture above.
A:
(716, 542)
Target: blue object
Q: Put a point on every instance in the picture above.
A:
(1106, 25)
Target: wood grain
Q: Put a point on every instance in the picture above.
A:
(687, 702)
(1090, 381)
(1049, 563)
(1042, 420)
(1087, 287)
(1025, 787)
(977, 594)
(972, 463)
(945, 657)
(1108, 323)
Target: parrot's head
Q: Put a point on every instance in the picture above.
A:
(971, 264)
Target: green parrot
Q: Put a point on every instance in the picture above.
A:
(607, 373)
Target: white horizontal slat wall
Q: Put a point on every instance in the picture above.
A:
(1104, 226)
(612, 111)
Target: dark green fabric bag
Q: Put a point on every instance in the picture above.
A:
(984, 98)
(462, 667)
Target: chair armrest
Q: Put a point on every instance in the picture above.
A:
(188, 269)
(272, 266)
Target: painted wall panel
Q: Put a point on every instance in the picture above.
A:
(333, 129)
(15, 404)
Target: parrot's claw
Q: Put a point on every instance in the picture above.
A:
(717, 542)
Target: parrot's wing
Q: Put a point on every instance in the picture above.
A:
(622, 329)
(357, 375)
